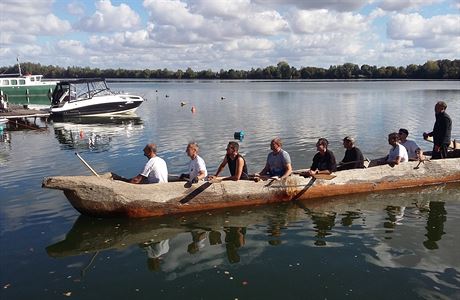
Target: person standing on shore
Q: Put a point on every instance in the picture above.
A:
(441, 131)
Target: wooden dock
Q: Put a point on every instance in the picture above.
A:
(17, 112)
(18, 117)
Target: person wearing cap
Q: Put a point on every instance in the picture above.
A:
(236, 163)
(398, 153)
(413, 150)
(441, 131)
(324, 160)
(278, 162)
(353, 158)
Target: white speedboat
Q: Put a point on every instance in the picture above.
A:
(90, 97)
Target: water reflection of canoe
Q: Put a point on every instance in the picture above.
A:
(103, 196)
(90, 235)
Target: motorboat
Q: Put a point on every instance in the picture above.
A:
(90, 97)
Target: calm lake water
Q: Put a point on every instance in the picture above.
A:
(401, 244)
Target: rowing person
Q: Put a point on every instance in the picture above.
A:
(197, 167)
(324, 160)
(353, 158)
(155, 170)
(236, 164)
(398, 153)
(278, 163)
(413, 150)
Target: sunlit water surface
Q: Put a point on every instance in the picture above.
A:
(401, 244)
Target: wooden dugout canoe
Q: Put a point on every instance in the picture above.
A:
(103, 196)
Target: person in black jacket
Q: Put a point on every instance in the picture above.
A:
(441, 131)
(353, 158)
(323, 161)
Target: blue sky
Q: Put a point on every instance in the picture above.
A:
(239, 34)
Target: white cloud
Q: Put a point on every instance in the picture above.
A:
(70, 47)
(436, 32)
(251, 44)
(323, 21)
(109, 18)
(398, 5)
(265, 23)
(35, 18)
(223, 8)
(173, 12)
(337, 5)
(76, 8)
(14, 8)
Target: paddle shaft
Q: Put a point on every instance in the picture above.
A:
(451, 146)
(86, 164)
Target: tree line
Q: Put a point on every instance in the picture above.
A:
(432, 69)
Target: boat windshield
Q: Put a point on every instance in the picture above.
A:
(79, 90)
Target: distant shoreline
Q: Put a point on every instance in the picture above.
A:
(139, 80)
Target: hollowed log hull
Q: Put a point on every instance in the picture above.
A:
(103, 196)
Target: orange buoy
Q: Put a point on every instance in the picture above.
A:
(193, 109)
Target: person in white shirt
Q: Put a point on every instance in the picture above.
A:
(197, 167)
(398, 153)
(413, 150)
(155, 170)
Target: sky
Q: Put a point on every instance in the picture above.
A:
(227, 34)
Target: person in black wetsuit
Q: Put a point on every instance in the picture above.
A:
(353, 158)
(236, 163)
(441, 131)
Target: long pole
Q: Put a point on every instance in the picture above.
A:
(86, 164)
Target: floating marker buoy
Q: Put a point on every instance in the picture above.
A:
(239, 135)
(193, 109)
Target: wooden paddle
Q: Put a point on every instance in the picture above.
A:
(316, 176)
(353, 162)
(86, 164)
(453, 145)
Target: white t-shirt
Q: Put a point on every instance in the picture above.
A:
(155, 170)
(400, 151)
(197, 165)
(411, 147)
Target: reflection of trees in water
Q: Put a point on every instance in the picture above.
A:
(234, 239)
(435, 224)
(324, 223)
